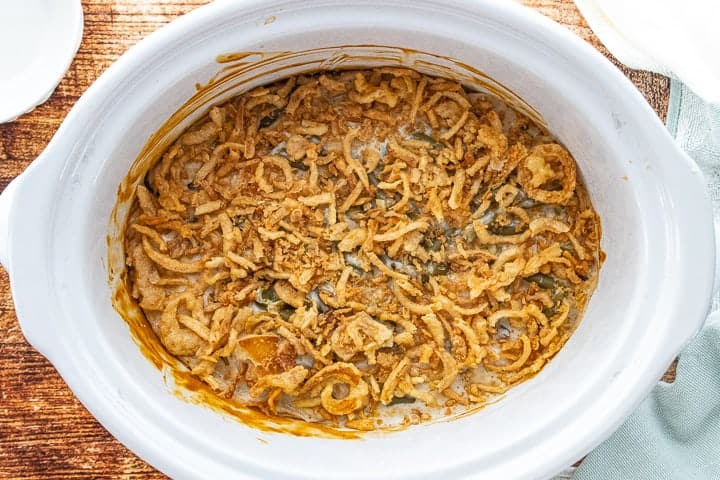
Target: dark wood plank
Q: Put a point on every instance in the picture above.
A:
(44, 431)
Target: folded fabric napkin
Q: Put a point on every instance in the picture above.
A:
(675, 434)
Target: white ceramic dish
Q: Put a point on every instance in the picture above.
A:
(654, 288)
(38, 40)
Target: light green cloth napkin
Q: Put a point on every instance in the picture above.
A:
(675, 434)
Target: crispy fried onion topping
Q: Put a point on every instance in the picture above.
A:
(354, 246)
(548, 174)
(360, 334)
(341, 387)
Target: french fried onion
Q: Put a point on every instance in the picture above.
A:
(356, 246)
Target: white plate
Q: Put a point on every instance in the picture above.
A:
(38, 40)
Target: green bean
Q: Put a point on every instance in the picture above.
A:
(479, 197)
(270, 118)
(568, 247)
(299, 166)
(400, 400)
(433, 244)
(354, 210)
(413, 211)
(542, 280)
(372, 178)
(267, 296)
(503, 230)
(424, 137)
(286, 312)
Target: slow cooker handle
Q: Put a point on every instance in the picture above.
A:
(6, 204)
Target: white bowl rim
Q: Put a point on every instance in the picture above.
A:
(49, 166)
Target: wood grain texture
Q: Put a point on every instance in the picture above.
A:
(44, 430)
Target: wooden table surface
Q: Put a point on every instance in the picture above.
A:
(44, 430)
